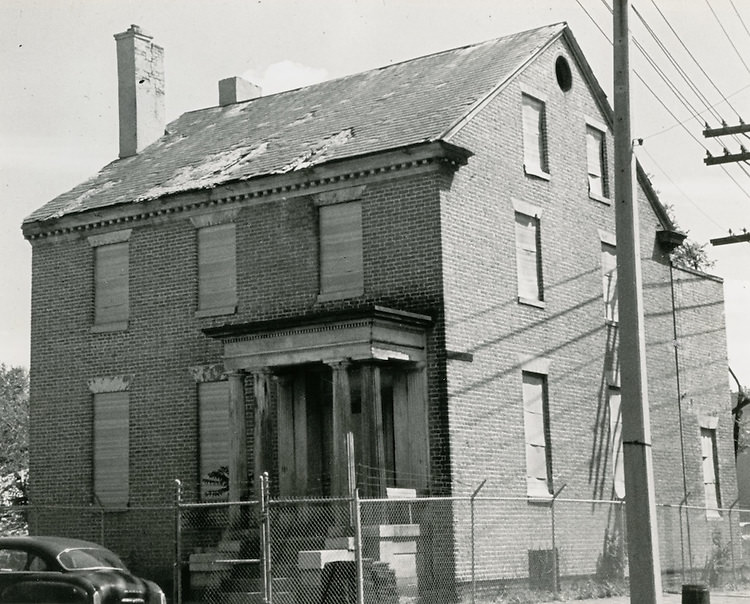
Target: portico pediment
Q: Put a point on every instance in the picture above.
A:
(373, 333)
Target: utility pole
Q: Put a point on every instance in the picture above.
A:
(643, 548)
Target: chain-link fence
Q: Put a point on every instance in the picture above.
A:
(398, 550)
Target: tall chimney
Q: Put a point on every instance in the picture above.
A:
(140, 77)
(236, 89)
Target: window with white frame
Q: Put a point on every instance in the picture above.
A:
(213, 420)
(534, 136)
(710, 471)
(615, 441)
(341, 257)
(536, 429)
(529, 258)
(112, 449)
(596, 154)
(609, 282)
(217, 269)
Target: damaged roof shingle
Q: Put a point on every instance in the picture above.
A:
(386, 108)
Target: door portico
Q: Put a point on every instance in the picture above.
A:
(328, 375)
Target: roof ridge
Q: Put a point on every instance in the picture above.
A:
(559, 24)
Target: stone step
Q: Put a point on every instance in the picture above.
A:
(251, 597)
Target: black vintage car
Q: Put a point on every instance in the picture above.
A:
(57, 570)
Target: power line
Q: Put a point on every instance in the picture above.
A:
(731, 42)
(739, 16)
(690, 54)
(676, 186)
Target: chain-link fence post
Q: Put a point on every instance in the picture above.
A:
(555, 570)
(358, 547)
(265, 539)
(473, 524)
(177, 577)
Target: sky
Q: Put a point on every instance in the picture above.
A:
(58, 104)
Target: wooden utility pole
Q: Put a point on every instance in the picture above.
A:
(643, 549)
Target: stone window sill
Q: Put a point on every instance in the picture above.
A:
(349, 293)
(216, 312)
(109, 327)
(531, 302)
(536, 172)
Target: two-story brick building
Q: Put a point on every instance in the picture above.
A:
(422, 255)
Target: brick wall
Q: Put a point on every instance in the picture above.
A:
(484, 317)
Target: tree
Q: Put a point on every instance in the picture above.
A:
(689, 254)
(14, 419)
(693, 255)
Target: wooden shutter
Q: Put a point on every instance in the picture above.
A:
(217, 267)
(609, 281)
(111, 287)
(534, 155)
(710, 470)
(595, 159)
(213, 409)
(341, 248)
(112, 449)
(615, 442)
(528, 257)
(535, 428)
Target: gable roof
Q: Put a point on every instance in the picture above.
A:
(397, 106)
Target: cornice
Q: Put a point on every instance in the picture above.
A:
(318, 179)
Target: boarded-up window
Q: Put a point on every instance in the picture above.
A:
(112, 449)
(528, 257)
(111, 283)
(341, 248)
(534, 144)
(596, 160)
(710, 471)
(536, 428)
(217, 270)
(609, 281)
(213, 409)
(615, 442)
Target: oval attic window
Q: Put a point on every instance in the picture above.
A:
(564, 76)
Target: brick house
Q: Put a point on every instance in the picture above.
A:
(422, 255)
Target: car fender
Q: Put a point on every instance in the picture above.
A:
(47, 587)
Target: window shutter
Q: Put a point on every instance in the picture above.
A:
(112, 449)
(528, 258)
(533, 134)
(615, 442)
(341, 247)
(609, 281)
(213, 409)
(537, 442)
(710, 471)
(595, 157)
(111, 283)
(217, 267)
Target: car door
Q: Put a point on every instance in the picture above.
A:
(25, 579)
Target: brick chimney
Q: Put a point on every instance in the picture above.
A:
(236, 90)
(140, 77)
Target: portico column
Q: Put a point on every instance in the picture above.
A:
(262, 440)
(372, 430)
(342, 405)
(237, 438)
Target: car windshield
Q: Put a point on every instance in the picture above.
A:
(81, 558)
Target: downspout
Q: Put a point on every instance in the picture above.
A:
(679, 410)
